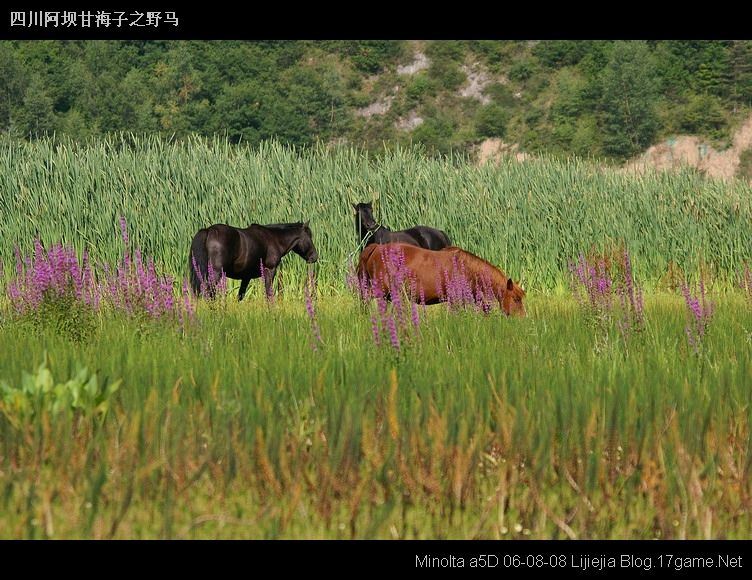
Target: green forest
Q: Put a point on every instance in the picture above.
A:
(604, 99)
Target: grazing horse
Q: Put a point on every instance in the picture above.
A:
(421, 236)
(450, 275)
(246, 253)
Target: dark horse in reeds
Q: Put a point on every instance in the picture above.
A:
(450, 275)
(369, 232)
(246, 253)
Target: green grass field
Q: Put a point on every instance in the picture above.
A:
(480, 427)
(240, 424)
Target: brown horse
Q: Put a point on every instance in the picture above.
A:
(450, 275)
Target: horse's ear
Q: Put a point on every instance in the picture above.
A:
(355, 206)
(510, 285)
(305, 223)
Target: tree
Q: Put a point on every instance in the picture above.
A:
(11, 87)
(703, 115)
(741, 73)
(370, 56)
(36, 117)
(560, 53)
(237, 112)
(570, 103)
(629, 91)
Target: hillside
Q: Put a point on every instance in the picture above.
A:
(606, 99)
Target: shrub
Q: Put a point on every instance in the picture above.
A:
(491, 121)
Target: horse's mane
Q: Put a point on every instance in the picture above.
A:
(287, 226)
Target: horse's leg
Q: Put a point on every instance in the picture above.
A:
(243, 287)
(269, 282)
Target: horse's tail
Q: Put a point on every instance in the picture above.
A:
(198, 261)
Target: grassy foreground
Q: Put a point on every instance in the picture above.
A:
(479, 427)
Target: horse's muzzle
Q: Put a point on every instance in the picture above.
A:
(312, 258)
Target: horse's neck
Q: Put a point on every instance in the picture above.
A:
(281, 240)
(375, 235)
(287, 240)
(496, 277)
(380, 232)
(500, 283)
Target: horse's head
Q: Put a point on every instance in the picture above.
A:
(512, 301)
(304, 246)
(364, 216)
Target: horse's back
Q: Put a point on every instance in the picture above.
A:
(388, 237)
(414, 255)
(429, 238)
(221, 229)
(470, 260)
(437, 239)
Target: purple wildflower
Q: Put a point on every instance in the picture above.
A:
(124, 230)
(375, 329)
(310, 289)
(48, 276)
(700, 312)
(415, 318)
(393, 336)
(596, 292)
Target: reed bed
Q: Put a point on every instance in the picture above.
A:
(530, 218)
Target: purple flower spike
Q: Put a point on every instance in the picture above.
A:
(393, 336)
(606, 299)
(132, 285)
(414, 315)
(700, 312)
(124, 230)
(375, 329)
(310, 289)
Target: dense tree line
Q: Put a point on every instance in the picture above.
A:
(603, 98)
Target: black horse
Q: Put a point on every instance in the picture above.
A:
(421, 236)
(246, 253)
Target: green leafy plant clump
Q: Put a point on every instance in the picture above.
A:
(39, 393)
